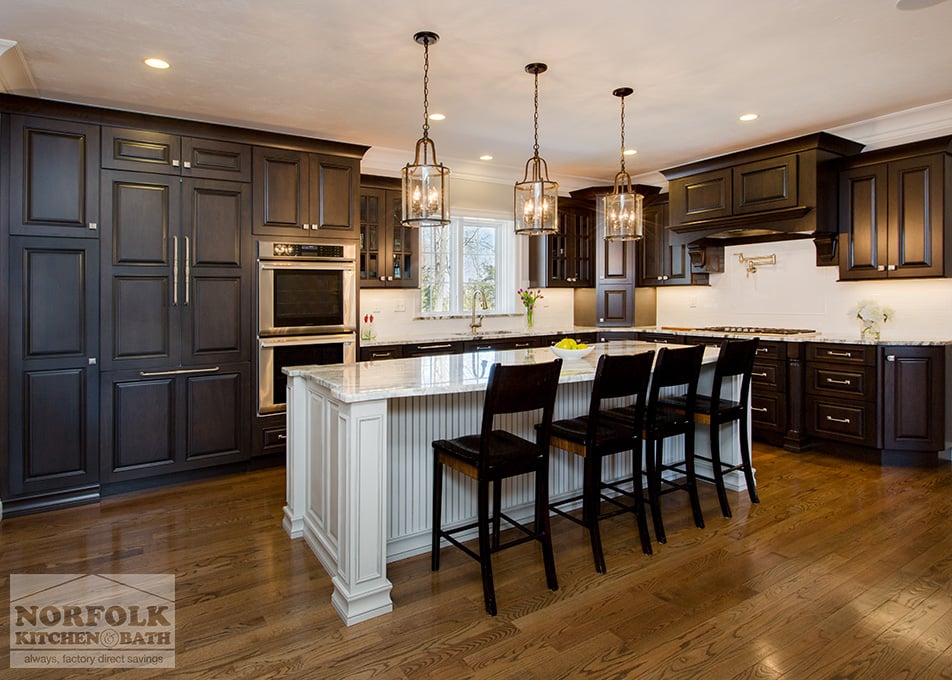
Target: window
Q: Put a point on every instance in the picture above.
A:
(470, 253)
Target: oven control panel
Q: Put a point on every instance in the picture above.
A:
(312, 251)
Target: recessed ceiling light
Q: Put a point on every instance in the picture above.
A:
(630, 152)
(437, 116)
(909, 5)
(155, 62)
(486, 157)
(749, 116)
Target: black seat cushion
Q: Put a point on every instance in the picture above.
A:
(609, 433)
(507, 454)
(703, 404)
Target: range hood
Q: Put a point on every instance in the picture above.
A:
(781, 191)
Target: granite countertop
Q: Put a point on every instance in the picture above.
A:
(806, 337)
(452, 373)
(463, 336)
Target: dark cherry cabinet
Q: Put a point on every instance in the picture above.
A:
(388, 249)
(615, 282)
(162, 152)
(176, 272)
(304, 194)
(894, 220)
(160, 422)
(55, 188)
(566, 259)
(661, 262)
(53, 383)
(913, 393)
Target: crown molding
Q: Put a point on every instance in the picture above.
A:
(909, 125)
(15, 76)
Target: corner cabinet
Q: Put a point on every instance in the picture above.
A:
(304, 194)
(894, 218)
(388, 249)
(566, 259)
(661, 262)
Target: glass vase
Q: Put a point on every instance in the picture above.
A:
(528, 317)
(870, 331)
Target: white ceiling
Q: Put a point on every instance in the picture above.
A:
(350, 71)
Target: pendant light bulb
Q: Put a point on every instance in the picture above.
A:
(536, 198)
(426, 183)
(619, 215)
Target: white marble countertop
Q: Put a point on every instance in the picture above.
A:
(463, 336)
(452, 373)
(811, 337)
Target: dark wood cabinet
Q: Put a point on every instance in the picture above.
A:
(55, 188)
(423, 349)
(661, 261)
(893, 218)
(388, 249)
(177, 278)
(566, 259)
(53, 372)
(913, 393)
(842, 393)
(615, 282)
(162, 152)
(768, 392)
(381, 352)
(160, 422)
(304, 194)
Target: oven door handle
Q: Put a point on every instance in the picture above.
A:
(340, 265)
(295, 340)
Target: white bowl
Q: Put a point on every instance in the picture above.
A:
(572, 353)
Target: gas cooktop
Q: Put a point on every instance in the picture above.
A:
(757, 330)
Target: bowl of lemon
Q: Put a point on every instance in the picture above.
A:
(567, 348)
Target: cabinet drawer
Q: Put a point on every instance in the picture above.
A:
(274, 438)
(768, 411)
(841, 354)
(429, 348)
(858, 382)
(845, 421)
(768, 375)
(378, 353)
(769, 349)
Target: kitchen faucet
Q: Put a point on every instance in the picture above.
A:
(476, 323)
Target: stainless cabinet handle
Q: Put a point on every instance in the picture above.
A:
(380, 355)
(389, 278)
(759, 410)
(305, 227)
(890, 357)
(93, 226)
(838, 420)
(188, 269)
(838, 382)
(484, 347)
(174, 271)
(91, 361)
(445, 346)
(759, 375)
(383, 278)
(282, 436)
(839, 354)
(175, 162)
(179, 371)
(762, 349)
(187, 164)
(881, 268)
(890, 267)
(520, 345)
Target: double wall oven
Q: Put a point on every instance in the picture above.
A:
(307, 311)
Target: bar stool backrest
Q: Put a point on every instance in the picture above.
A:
(676, 368)
(621, 376)
(735, 358)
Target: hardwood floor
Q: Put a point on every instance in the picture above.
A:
(844, 570)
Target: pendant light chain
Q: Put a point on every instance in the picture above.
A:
(426, 88)
(622, 134)
(535, 120)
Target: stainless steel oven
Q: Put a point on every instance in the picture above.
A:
(306, 288)
(275, 353)
(307, 311)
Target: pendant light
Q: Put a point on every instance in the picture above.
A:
(536, 198)
(426, 183)
(619, 215)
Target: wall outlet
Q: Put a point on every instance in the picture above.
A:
(692, 302)
(400, 306)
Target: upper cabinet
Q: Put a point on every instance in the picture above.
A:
(781, 190)
(388, 249)
(161, 152)
(660, 262)
(566, 259)
(305, 194)
(893, 214)
(57, 191)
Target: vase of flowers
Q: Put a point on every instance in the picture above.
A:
(529, 298)
(872, 315)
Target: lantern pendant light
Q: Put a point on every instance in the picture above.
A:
(619, 214)
(536, 197)
(426, 183)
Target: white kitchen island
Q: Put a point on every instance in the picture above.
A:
(359, 464)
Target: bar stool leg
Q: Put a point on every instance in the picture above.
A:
(592, 500)
(637, 481)
(542, 526)
(485, 553)
(692, 478)
(497, 511)
(745, 457)
(437, 512)
(653, 464)
(717, 468)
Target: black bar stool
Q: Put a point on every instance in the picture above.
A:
(675, 370)
(594, 437)
(735, 359)
(495, 454)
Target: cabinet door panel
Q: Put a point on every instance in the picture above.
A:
(215, 408)
(57, 192)
(280, 191)
(140, 319)
(214, 159)
(701, 197)
(141, 150)
(138, 214)
(218, 215)
(614, 305)
(373, 203)
(616, 261)
(333, 195)
(138, 426)
(214, 320)
(863, 221)
(916, 217)
(914, 398)
(59, 299)
(765, 185)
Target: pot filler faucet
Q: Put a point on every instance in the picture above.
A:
(476, 323)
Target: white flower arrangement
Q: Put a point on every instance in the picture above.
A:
(873, 312)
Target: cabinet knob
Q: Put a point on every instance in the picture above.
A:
(175, 163)
(383, 278)
(187, 164)
(881, 268)
(890, 357)
(93, 226)
(890, 267)
(660, 278)
(665, 278)
(91, 361)
(305, 227)
(602, 320)
(389, 278)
